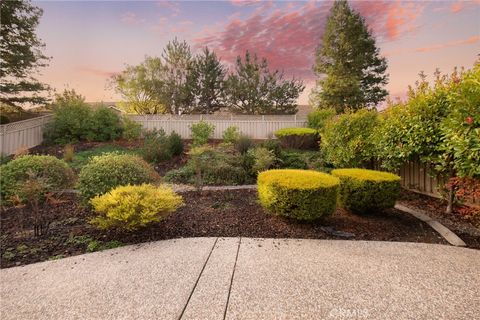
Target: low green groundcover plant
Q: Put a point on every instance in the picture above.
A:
(55, 174)
(103, 173)
(299, 194)
(132, 207)
(363, 191)
(298, 138)
(81, 158)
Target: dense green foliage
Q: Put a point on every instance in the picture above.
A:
(201, 132)
(156, 147)
(74, 120)
(81, 158)
(319, 117)
(132, 130)
(438, 124)
(262, 159)
(105, 125)
(351, 72)
(299, 194)
(231, 134)
(54, 174)
(132, 207)
(180, 82)
(347, 140)
(211, 166)
(108, 171)
(367, 191)
(21, 52)
(205, 83)
(254, 89)
(298, 138)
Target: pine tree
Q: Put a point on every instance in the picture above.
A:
(348, 63)
(253, 89)
(21, 54)
(206, 82)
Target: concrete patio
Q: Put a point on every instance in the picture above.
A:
(233, 278)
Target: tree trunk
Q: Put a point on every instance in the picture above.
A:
(450, 199)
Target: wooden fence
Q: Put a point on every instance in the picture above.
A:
(22, 134)
(256, 127)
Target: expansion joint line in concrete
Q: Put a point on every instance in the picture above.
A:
(231, 279)
(198, 279)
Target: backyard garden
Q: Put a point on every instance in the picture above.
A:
(101, 181)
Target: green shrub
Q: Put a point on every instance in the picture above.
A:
(55, 175)
(132, 130)
(210, 166)
(108, 171)
(74, 121)
(298, 138)
(4, 119)
(131, 207)
(175, 144)
(363, 190)
(231, 134)
(274, 146)
(201, 132)
(292, 160)
(156, 146)
(263, 159)
(243, 144)
(319, 117)
(81, 158)
(105, 125)
(71, 119)
(348, 140)
(299, 194)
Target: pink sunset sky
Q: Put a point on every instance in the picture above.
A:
(91, 40)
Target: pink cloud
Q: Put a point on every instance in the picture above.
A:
(288, 37)
(471, 40)
(130, 18)
(457, 7)
(242, 3)
(96, 71)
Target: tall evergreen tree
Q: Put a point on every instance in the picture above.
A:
(21, 54)
(177, 60)
(348, 63)
(253, 89)
(206, 82)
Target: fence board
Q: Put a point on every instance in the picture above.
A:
(22, 134)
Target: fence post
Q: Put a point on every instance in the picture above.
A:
(2, 141)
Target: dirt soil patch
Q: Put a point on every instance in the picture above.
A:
(207, 214)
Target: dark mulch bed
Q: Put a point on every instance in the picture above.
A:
(209, 214)
(464, 221)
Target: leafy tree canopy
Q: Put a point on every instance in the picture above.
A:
(21, 52)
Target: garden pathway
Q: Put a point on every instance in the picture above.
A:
(233, 278)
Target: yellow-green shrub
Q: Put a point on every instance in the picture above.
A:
(363, 190)
(298, 138)
(299, 194)
(131, 207)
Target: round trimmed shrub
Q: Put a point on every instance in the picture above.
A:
(132, 207)
(363, 190)
(103, 173)
(298, 138)
(299, 194)
(56, 174)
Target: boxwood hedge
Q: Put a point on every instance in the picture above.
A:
(299, 194)
(363, 190)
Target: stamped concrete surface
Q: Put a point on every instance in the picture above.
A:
(233, 278)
